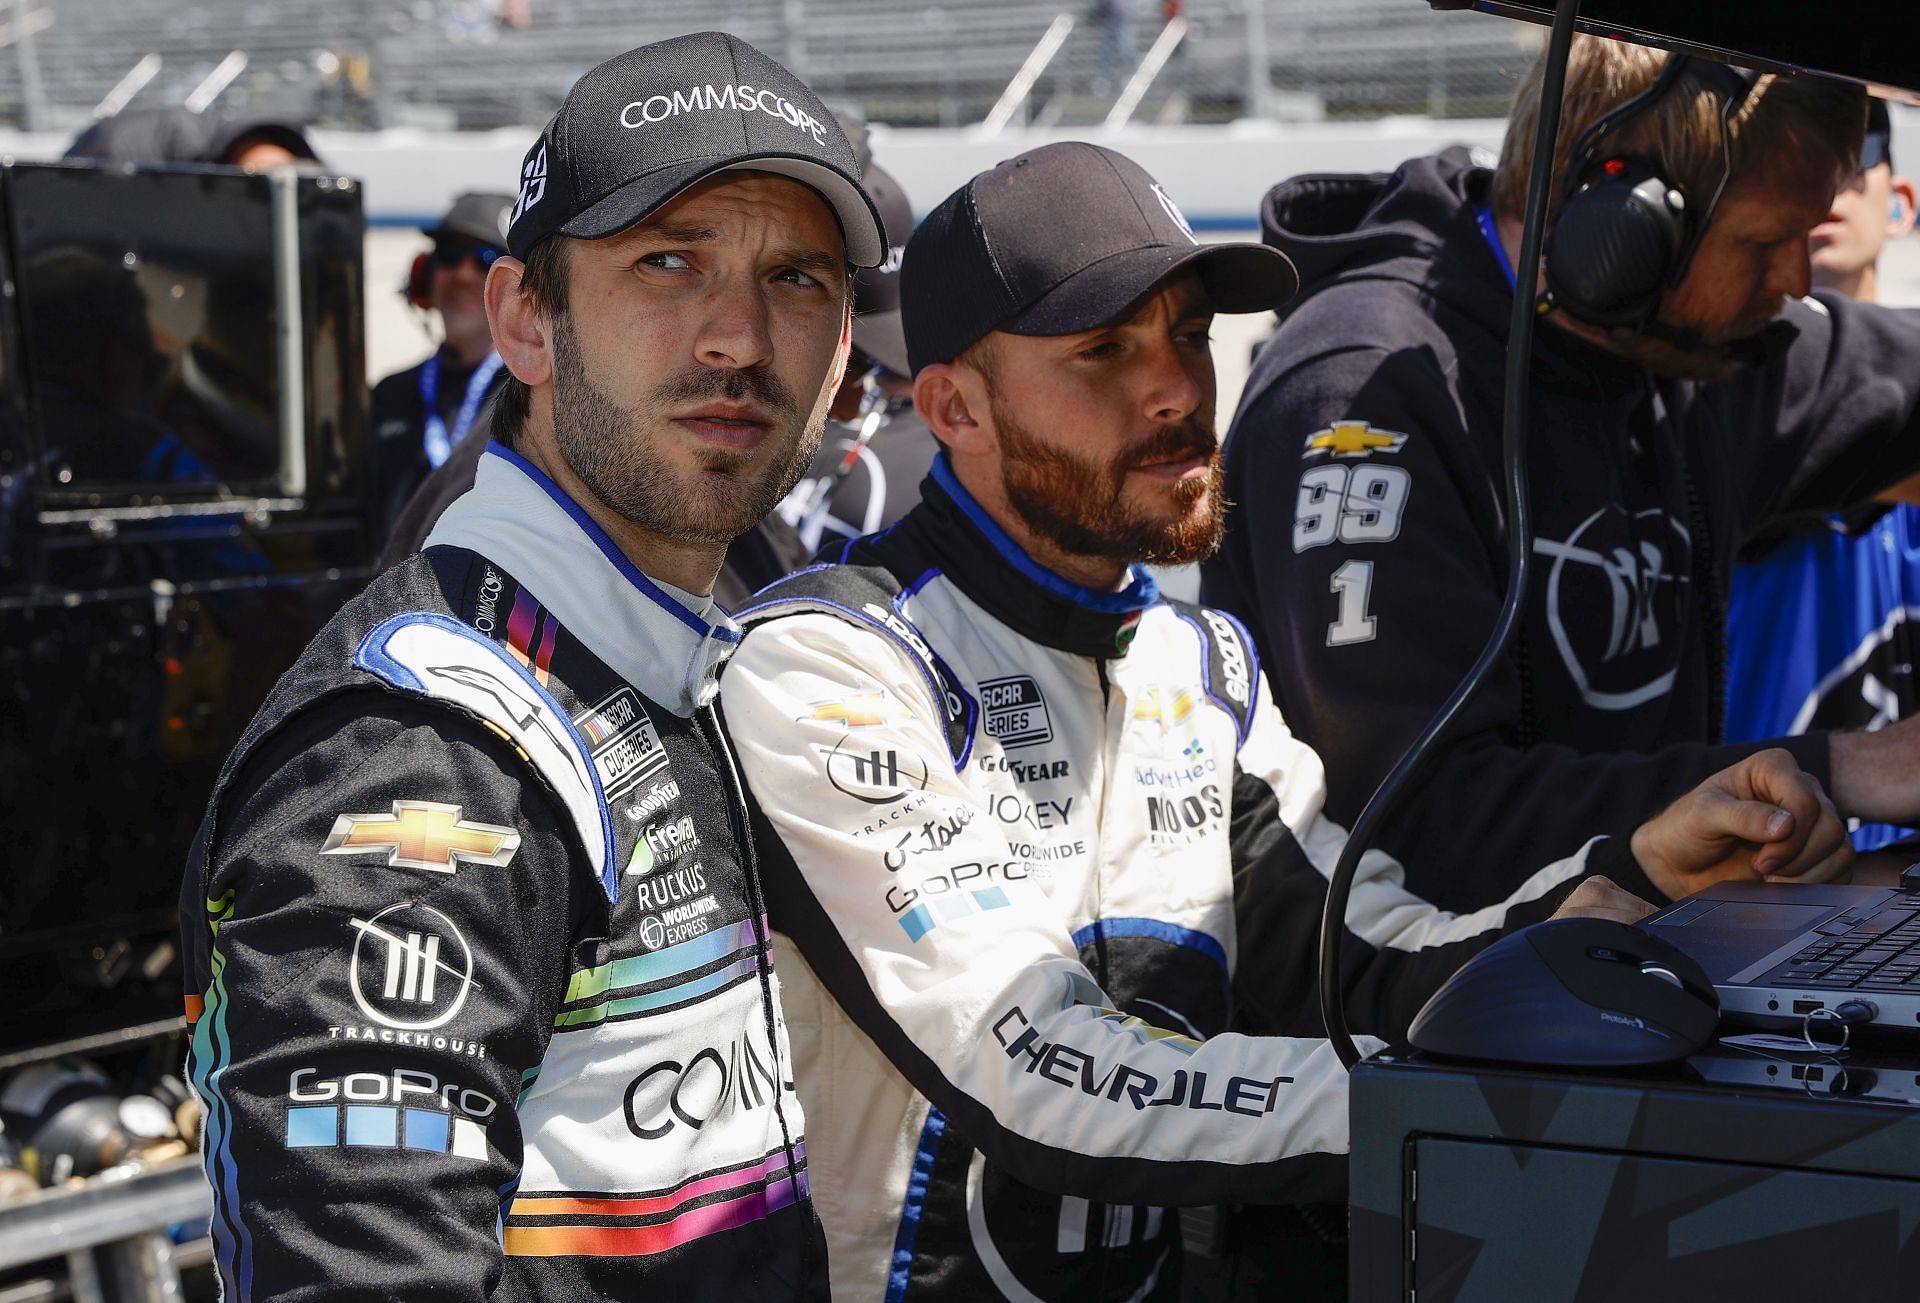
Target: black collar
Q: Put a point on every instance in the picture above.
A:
(951, 534)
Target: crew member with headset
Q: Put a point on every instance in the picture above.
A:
(1682, 392)
(420, 414)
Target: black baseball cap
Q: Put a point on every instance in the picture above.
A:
(1066, 238)
(1878, 146)
(476, 217)
(643, 126)
(876, 290)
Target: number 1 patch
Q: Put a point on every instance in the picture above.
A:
(1352, 585)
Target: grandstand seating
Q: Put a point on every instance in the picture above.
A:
(899, 61)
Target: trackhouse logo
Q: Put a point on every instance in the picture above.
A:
(741, 98)
(874, 775)
(1173, 210)
(411, 969)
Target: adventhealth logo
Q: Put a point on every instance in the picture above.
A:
(703, 99)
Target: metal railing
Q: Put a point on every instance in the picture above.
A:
(1017, 91)
(1163, 47)
(993, 62)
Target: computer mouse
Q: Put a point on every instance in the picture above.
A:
(1573, 993)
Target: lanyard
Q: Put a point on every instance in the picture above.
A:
(439, 442)
(1492, 234)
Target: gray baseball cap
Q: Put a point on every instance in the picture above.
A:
(645, 125)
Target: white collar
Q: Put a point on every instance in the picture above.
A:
(517, 517)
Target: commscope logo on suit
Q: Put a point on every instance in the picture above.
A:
(713, 1083)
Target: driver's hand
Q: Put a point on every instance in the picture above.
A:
(1603, 898)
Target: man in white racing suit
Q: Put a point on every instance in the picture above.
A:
(1054, 832)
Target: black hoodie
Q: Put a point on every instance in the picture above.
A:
(1366, 546)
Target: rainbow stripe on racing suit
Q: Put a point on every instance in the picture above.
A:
(483, 1002)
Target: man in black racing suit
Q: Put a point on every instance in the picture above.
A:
(478, 965)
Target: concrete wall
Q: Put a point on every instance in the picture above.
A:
(1217, 174)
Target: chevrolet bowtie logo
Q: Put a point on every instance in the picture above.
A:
(423, 835)
(1353, 439)
(1168, 705)
(867, 710)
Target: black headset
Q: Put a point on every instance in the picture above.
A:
(1624, 233)
(418, 287)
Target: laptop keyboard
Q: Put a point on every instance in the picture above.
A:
(1876, 953)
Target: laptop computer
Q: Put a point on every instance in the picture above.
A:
(1856, 1074)
(1779, 954)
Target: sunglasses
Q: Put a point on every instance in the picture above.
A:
(452, 255)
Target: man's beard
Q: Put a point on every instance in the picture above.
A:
(1696, 358)
(1076, 503)
(615, 450)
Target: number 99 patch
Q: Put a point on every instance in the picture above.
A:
(1355, 504)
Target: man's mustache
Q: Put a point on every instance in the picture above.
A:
(699, 383)
(1189, 438)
